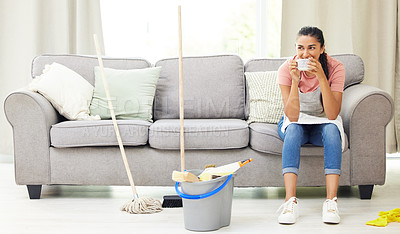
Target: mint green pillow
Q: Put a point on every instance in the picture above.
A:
(131, 92)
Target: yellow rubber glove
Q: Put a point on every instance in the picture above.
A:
(385, 218)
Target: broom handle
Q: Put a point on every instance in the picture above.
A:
(110, 106)
(182, 138)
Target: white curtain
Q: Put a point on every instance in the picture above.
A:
(32, 27)
(368, 28)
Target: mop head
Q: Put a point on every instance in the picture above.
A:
(142, 205)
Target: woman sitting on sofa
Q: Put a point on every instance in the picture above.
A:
(312, 98)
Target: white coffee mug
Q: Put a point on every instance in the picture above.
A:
(302, 64)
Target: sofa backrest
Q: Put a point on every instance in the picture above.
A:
(213, 87)
(353, 65)
(84, 65)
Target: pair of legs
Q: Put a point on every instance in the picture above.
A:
(332, 182)
(326, 135)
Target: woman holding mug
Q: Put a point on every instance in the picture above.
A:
(312, 98)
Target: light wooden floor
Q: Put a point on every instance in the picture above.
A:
(95, 209)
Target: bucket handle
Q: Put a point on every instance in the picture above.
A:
(201, 196)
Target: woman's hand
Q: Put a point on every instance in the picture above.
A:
(316, 69)
(294, 72)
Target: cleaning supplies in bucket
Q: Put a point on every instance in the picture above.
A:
(209, 173)
(212, 172)
(207, 205)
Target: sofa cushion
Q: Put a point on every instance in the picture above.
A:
(213, 88)
(264, 137)
(84, 65)
(200, 134)
(98, 133)
(353, 65)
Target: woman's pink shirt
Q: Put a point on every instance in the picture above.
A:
(310, 84)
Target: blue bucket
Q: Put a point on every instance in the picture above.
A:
(207, 205)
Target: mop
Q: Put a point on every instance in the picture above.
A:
(139, 205)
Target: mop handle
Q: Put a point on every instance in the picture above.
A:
(182, 138)
(110, 106)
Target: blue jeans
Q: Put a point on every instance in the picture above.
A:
(326, 135)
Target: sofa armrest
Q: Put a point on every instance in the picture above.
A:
(31, 117)
(366, 111)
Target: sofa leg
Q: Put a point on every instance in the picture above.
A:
(34, 191)
(366, 191)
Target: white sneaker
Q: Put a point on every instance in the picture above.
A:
(330, 212)
(290, 211)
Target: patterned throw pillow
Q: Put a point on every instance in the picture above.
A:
(266, 104)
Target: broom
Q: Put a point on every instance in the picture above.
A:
(183, 175)
(139, 205)
(171, 201)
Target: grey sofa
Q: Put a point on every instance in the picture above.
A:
(50, 150)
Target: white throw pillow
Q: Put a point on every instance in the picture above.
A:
(266, 104)
(66, 90)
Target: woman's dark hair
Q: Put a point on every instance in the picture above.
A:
(316, 33)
